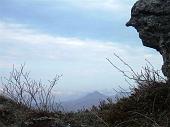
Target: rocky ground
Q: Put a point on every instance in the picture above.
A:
(15, 115)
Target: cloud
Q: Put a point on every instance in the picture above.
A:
(64, 46)
(82, 62)
(97, 19)
(107, 5)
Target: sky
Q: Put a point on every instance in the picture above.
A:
(72, 38)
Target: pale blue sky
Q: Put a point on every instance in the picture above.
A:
(73, 38)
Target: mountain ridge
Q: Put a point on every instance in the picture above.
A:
(87, 101)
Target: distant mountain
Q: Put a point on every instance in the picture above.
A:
(89, 100)
(85, 102)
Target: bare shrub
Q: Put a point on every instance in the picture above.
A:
(149, 97)
(28, 92)
(146, 77)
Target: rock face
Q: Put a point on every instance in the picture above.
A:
(151, 18)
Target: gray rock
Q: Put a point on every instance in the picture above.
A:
(151, 18)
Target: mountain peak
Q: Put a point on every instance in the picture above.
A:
(87, 101)
(95, 94)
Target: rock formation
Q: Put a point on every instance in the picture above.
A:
(151, 19)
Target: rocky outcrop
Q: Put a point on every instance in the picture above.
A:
(151, 18)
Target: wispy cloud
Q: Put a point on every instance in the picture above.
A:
(21, 34)
(77, 59)
(116, 6)
(95, 19)
(17, 33)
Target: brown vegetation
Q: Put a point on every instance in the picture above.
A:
(146, 106)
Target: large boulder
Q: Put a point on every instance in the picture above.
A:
(151, 19)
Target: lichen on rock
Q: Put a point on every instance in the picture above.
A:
(151, 19)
